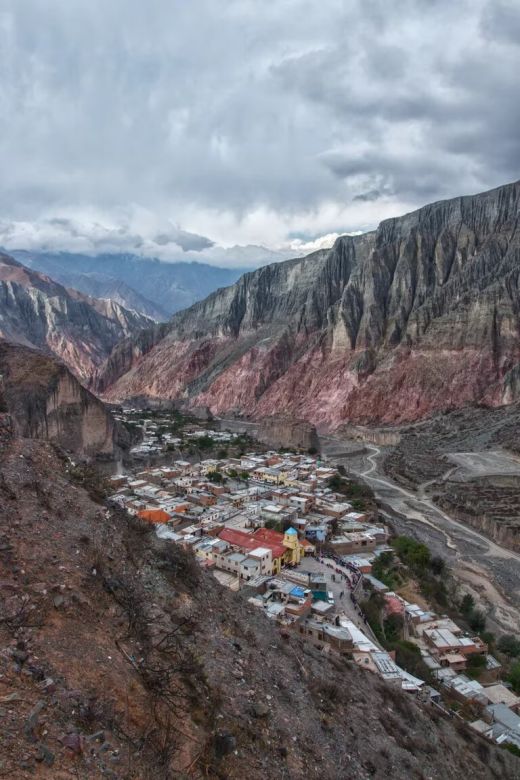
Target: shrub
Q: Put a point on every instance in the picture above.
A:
(467, 605)
(477, 621)
(216, 477)
(205, 442)
(514, 676)
(509, 645)
(412, 553)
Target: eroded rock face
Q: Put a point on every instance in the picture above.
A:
(46, 401)
(280, 431)
(420, 315)
(36, 311)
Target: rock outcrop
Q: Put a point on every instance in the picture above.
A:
(81, 331)
(420, 315)
(279, 431)
(45, 401)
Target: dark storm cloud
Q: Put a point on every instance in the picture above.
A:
(248, 120)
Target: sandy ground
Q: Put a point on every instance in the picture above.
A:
(489, 571)
(480, 464)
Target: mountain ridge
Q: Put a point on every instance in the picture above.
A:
(155, 287)
(417, 316)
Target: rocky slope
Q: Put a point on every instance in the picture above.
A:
(422, 314)
(120, 658)
(37, 311)
(46, 401)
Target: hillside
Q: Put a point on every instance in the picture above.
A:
(418, 316)
(38, 312)
(122, 659)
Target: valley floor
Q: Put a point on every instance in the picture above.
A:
(489, 571)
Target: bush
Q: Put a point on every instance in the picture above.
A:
(412, 553)
(216, 477)
(408, 657)
(514, 676)
(467, 605)
(514, 749)
(205, 442)
(476, 664)
(509, 645)
(477, 621)
(393, 628)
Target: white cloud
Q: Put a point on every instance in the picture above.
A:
(247, 122)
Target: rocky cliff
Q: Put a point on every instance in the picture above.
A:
(421, 315)
(46, 401)
(37, 311)
(279, 431)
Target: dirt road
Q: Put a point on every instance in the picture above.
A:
(484, 568)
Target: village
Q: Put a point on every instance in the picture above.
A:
(277, 526)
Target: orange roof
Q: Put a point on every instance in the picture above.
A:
(154, 515)
(306, 543)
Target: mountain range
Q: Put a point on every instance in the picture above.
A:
(418, 316)
(150, 286)
(37, 312)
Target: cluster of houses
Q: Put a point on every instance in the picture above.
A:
(447, 651)
(247, 516)
(156, 435)
(253, 520)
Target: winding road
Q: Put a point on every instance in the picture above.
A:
(490, 571)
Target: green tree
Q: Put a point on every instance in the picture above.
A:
(412, 553)
(514, 676)
(509, 645)
(476, 664)
(477, 621)
(216, 477)
(467, 605)
(205, 442)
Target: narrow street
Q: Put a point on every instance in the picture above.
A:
(338, 585)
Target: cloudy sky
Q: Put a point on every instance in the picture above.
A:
(166, 125)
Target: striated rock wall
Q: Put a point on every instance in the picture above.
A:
(46, 401)
(285, 432)
(419, 316)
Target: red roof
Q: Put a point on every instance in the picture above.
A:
(394, 606)
(268, 535)
(250, 542)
